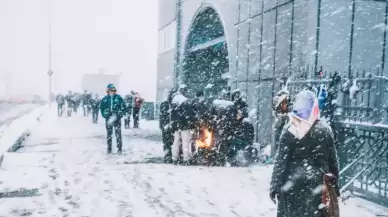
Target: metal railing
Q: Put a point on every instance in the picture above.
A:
(360, 124)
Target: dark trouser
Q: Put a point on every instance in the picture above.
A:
(95, 115)
(84, 108)
(60, 109)
(116, 125)
(222, 139)
(238, 144)
(136, 112)
(69, 109)
(168, 139)
(127, 119)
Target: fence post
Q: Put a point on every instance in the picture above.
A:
(378, 101)
(339, 132)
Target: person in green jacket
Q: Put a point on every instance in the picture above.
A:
(112, 108)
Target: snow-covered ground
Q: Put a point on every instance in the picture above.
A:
(10, 112)
(63, 170)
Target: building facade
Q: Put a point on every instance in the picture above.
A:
(259, 43)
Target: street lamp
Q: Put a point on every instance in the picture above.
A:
(50, 71)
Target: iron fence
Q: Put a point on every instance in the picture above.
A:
(360, 126)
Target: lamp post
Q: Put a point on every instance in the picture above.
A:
(50, 71)
(177, 59)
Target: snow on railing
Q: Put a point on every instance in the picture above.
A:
(18, 130)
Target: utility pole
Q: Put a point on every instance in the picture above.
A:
(50, 71)
(177, 60)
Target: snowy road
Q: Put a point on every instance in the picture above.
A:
(63, 170)
(10, 112)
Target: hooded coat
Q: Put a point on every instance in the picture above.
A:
(302, 162)
(298, 171)
(112, 105)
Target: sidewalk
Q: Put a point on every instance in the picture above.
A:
(63, 170)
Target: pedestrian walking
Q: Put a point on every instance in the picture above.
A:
(95, 104)
(60, 104)
(129, 107)
(306, 160)
(136, 109)
(70, 103)
(112, 110)
(86, 102)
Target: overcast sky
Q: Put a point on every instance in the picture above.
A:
(118, 35)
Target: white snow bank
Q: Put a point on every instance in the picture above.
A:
(15, 111)
(19, 128)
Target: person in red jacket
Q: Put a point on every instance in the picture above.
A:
(136, 109)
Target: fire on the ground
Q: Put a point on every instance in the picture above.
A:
(205, 139)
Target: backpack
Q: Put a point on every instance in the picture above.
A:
(138, 101)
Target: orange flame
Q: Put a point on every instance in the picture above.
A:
(206, 140)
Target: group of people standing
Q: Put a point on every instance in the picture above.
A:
(306, 170)
(73, 101)
(113, 109)
(184, 119)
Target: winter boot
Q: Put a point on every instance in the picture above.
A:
(119, 152)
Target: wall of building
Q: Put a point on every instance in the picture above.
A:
(274, 39)
(166, 48)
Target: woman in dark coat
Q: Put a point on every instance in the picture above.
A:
(305, 155)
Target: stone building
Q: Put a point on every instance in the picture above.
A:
(254, 45)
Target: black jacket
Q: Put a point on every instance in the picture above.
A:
(201, 111)
(280, 121)
(164, 115)
(60, 99)
(223, 117)
(245, 131)
(128, 99)
(299, 167)
(95, 104)
(242, 105)
(182, 115)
